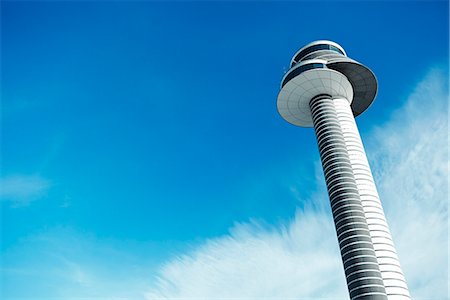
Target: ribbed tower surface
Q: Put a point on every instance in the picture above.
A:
(325, 89)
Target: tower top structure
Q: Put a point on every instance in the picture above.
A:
(323, 68)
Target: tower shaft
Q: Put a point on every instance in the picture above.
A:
(383, 245)
(358, 255)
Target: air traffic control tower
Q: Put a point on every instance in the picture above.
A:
(326, 90)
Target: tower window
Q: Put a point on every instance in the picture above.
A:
(315, 48)
(300, 70)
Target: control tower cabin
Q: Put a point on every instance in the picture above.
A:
(326, 90)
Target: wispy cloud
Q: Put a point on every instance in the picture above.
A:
(64, 263)
(410, 159)
(295, 260)
(254, 262)
(23, 189)
(300, 260)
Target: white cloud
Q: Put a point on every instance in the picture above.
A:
(409, 156)
(63, 263)
(258, 262)
(23, 189)
(295, 260)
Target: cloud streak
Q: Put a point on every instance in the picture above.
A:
(23, 189)
(258, 262)
(300, 260)
(64, 263)
(410, 158)
(297, 259)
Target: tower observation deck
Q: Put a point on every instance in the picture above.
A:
(326, 90)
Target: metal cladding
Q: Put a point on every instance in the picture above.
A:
(325, 89)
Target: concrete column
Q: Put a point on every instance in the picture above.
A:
(361, 269)
(391, 272)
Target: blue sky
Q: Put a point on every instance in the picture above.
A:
(139, 132)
